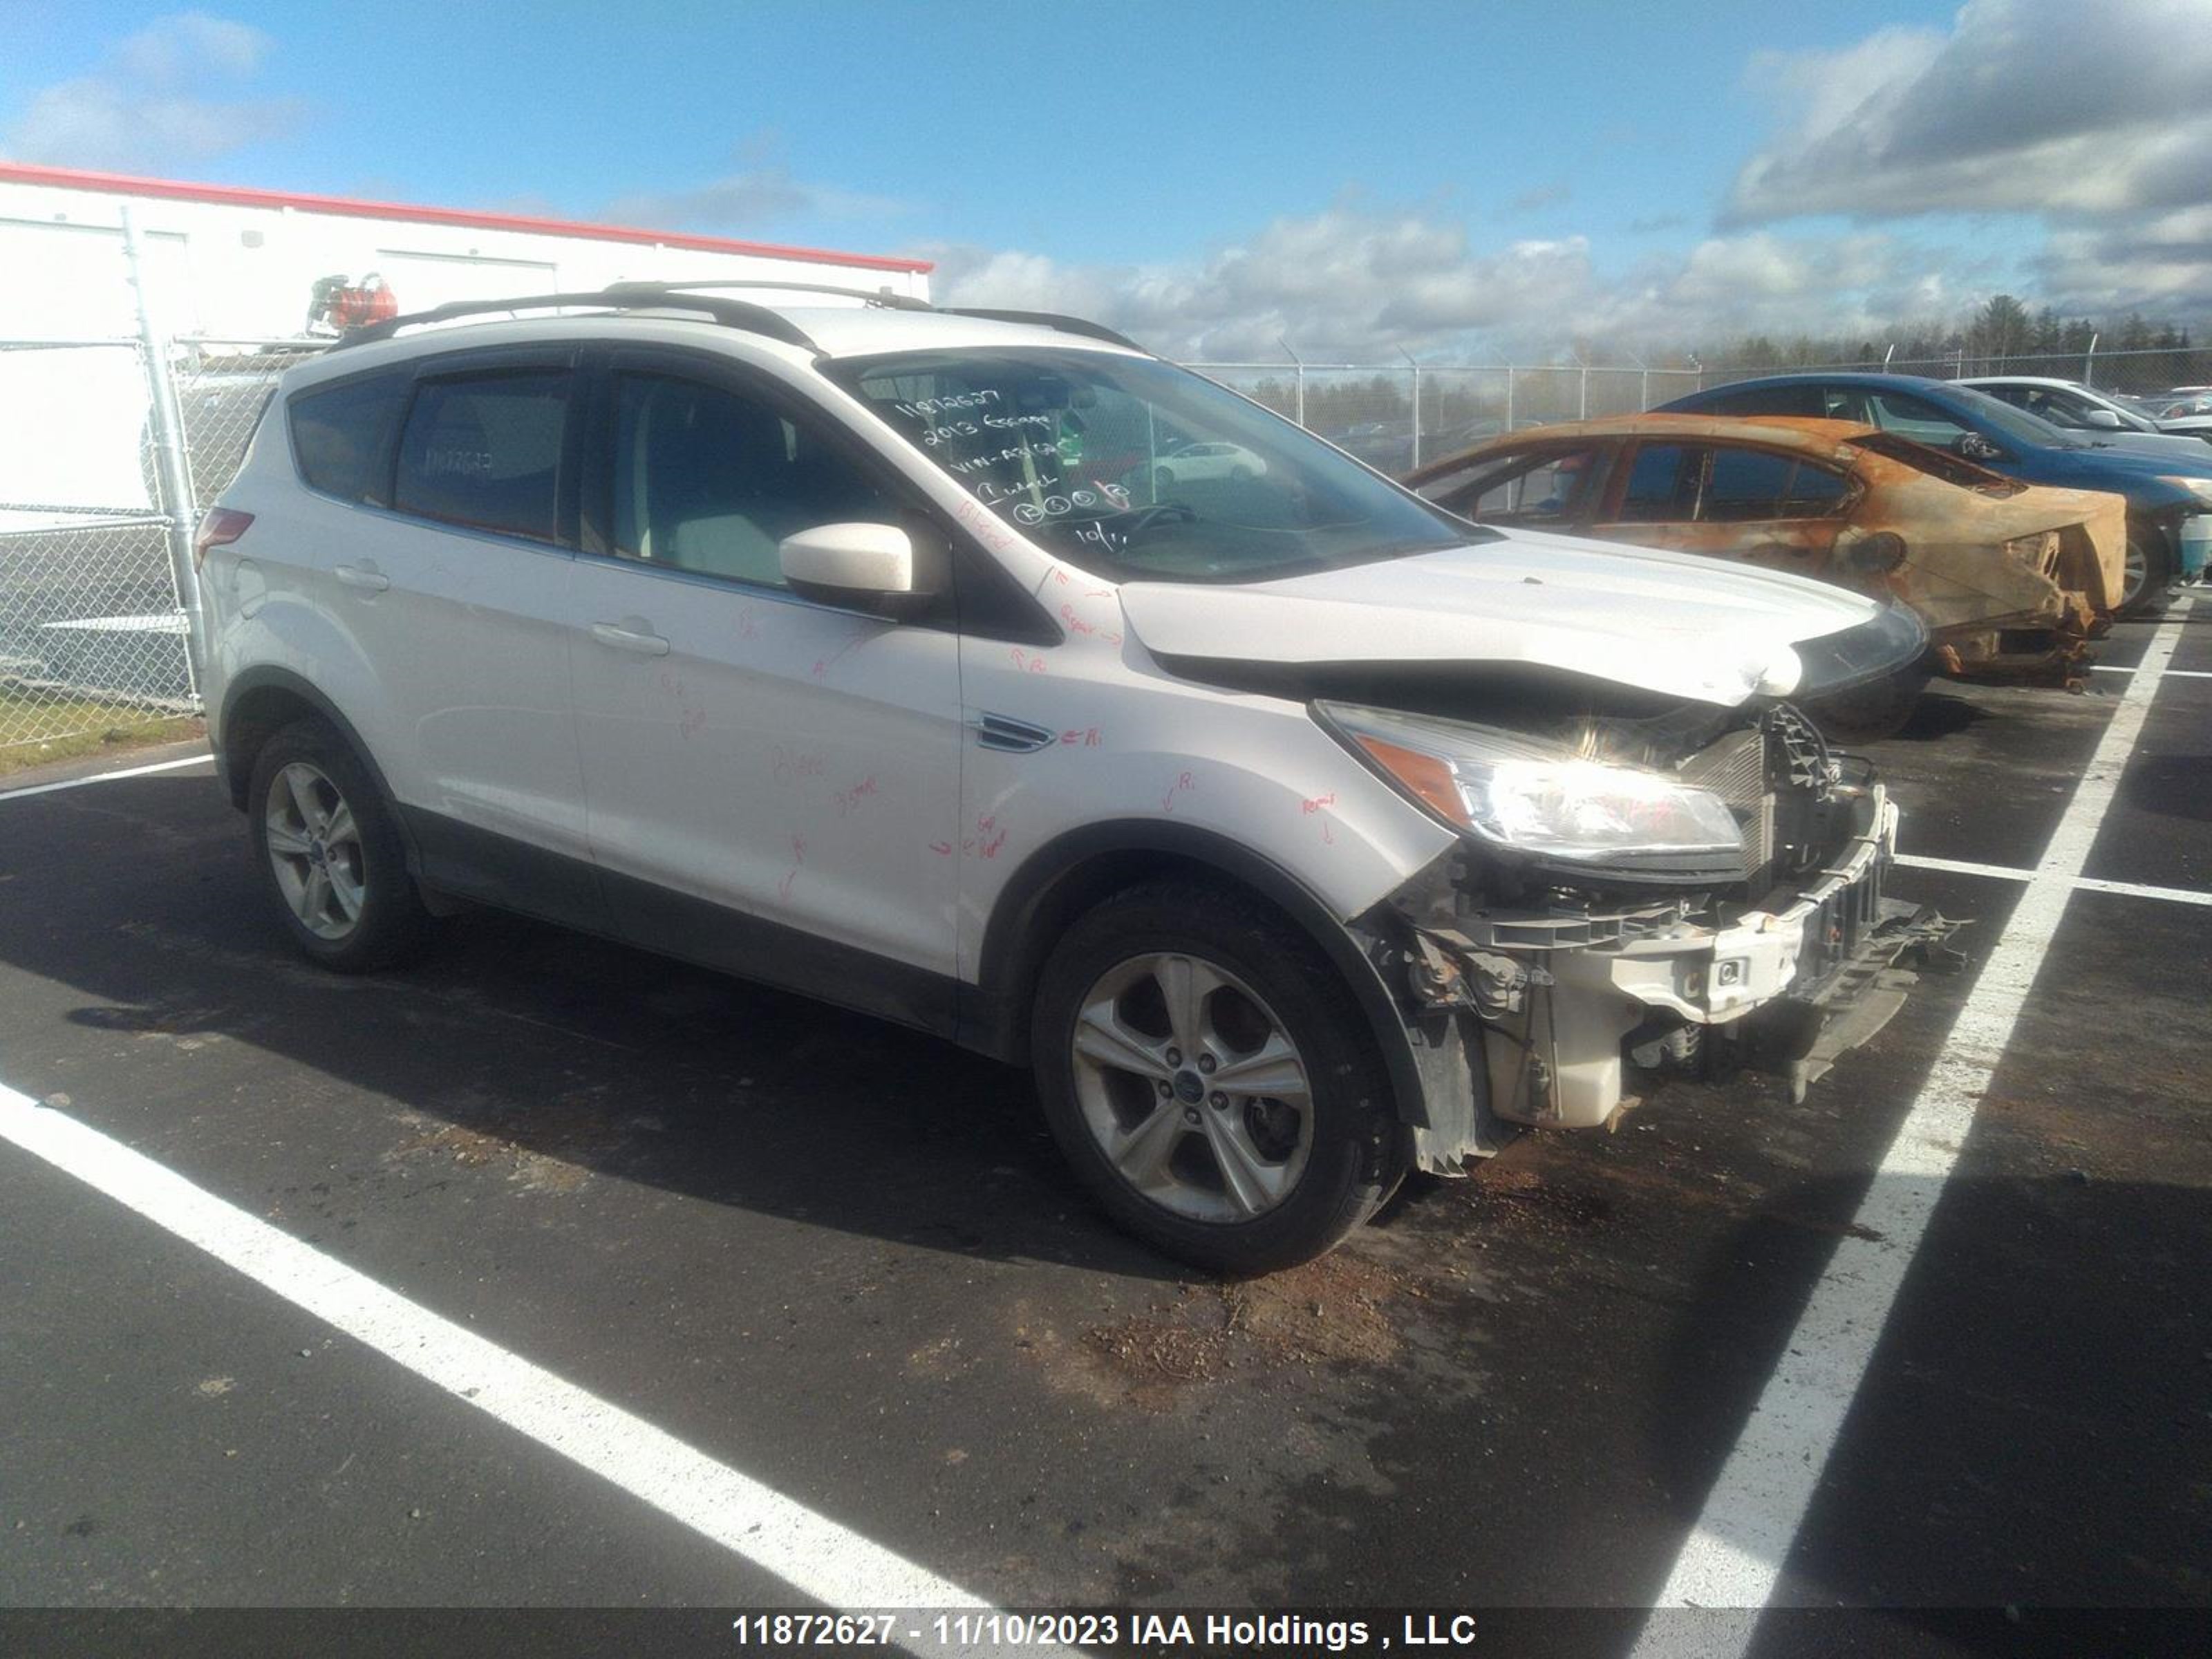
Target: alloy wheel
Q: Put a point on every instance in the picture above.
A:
(315, 851)
(1192, 1087)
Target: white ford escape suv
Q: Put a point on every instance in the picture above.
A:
(1294, 831)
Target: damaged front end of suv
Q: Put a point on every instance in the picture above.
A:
(1638, 885)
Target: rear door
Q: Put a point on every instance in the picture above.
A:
(452, 583)
(770, 779)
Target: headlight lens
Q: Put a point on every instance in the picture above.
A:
(2200, 488)
(1534, 796)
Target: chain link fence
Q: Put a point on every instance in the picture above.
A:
(94, 631)
(92, 636)
(1395, 416)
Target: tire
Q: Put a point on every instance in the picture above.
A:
(1229, 1180)
(329, 853)
(1163, 482)
(1869, 712)
(2149, 572)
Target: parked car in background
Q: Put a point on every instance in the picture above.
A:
(2011, 579)
(2169, 503)
(2181, 403)
(2083, 409)
(1192, 463)
(1296, 832)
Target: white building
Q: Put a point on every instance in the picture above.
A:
(232, 263)
(237, 267)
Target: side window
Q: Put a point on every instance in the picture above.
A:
(712, 481)
(1800, 399)
(1550, 485)
(484, 451)
(1745, 484)
(1915, 418)
(1662, 485)
(338, 433)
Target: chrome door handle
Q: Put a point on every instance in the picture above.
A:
(366, 577)
(627, 639)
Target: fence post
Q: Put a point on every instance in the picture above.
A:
(2089, 362)
(1410, 358)
(1298, 374)
(1509, 396)
(167, 425)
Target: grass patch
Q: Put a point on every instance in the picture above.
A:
(89, 726)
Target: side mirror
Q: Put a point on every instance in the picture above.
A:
(2103, 419)
(866, 567)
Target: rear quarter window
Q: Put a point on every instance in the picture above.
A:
(339, 432)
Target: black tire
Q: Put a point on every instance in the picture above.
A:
(1869, 712)
(1359, 1150)
(390, 923)
(2151, 562)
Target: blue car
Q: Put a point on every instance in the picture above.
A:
(2169, 500)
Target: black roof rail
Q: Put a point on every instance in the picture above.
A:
(1046, 319)
(732, 314)
(882, 297)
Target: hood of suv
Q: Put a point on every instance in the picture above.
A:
(1673, 624)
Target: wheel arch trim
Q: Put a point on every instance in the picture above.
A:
(1012, 955)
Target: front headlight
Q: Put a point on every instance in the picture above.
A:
(1534, 796)
(2200, 488)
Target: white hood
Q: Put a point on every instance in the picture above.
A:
(1679, 624)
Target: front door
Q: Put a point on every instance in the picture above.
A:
(768, 780)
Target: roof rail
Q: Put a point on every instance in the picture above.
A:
(1046, 319)
(882, 297)
(732, 313)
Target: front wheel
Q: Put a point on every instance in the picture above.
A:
(1204, 1070)
(1868, 713)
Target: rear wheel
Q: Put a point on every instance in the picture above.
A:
(329, 854)
(1204, 1070)
(2150, 569)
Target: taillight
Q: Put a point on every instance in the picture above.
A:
(221, 526)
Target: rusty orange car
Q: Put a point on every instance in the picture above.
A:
(2012, 580)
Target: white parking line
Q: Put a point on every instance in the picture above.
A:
(1733, 1556)
(2082, 884)
(2171, 673)
(818, 1557)
(103, 777)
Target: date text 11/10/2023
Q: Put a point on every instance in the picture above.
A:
(1198, 1631)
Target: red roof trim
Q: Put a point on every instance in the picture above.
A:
(348, 207)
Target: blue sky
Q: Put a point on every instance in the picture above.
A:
(1374, 176)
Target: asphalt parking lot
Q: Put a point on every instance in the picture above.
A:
(844, 1262)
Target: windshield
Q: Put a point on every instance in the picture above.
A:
(1139, 470)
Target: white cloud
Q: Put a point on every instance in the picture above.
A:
(2049, 106)
(1348, 280)
(1356, 283)
(143, 108)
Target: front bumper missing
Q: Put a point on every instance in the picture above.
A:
(1559, 1000)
